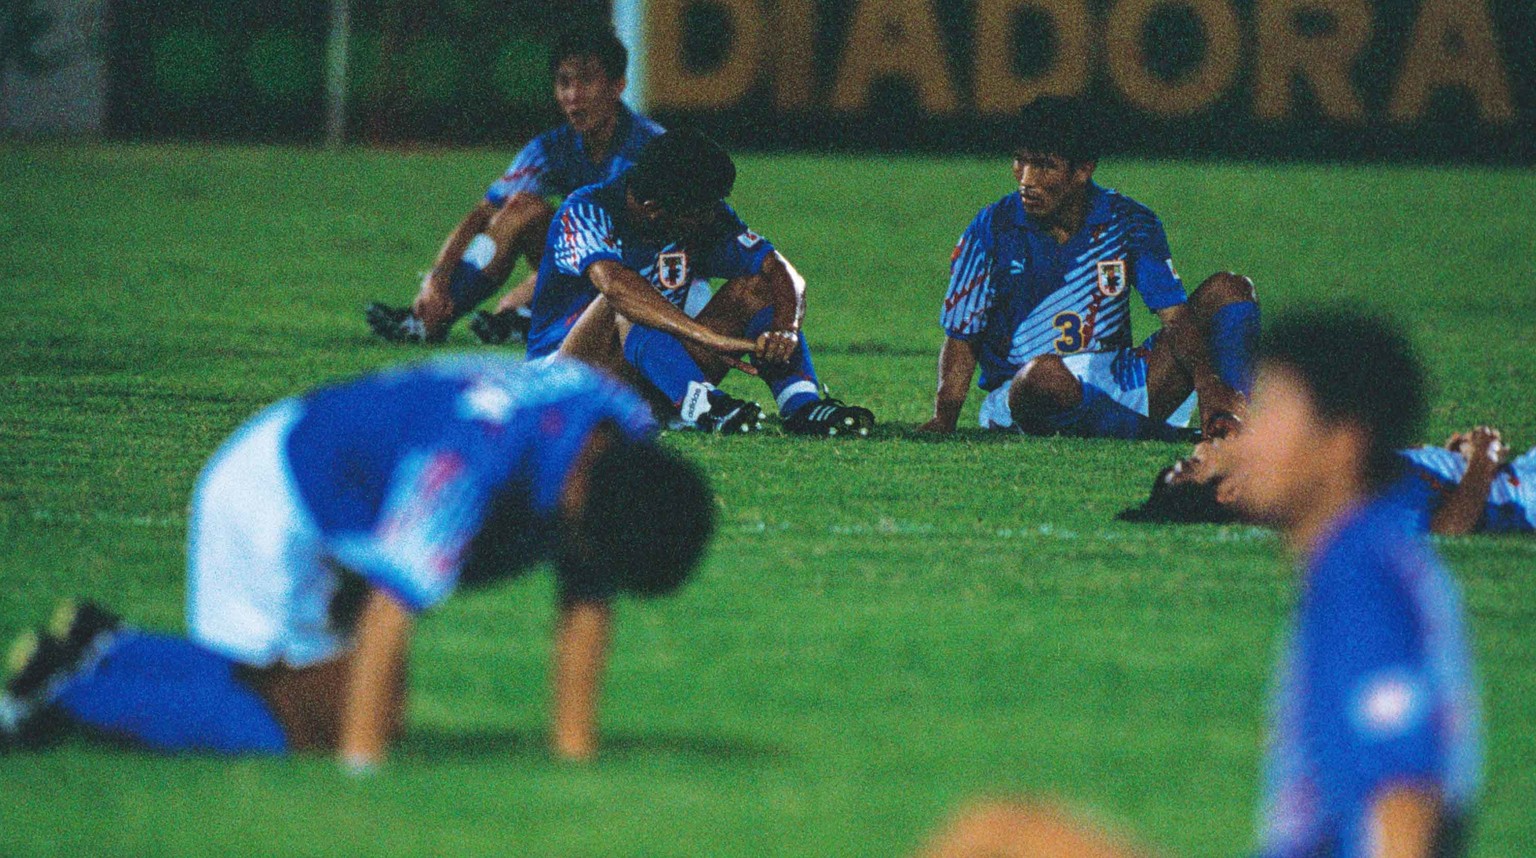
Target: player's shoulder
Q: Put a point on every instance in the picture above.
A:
(997, 215)
(1127, 209)
(643, 128)
(606, 196)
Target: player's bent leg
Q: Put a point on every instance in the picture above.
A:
(1226, 306)
(1024, 830)
(1041, 392)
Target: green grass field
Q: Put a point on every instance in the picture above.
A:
(882, 629)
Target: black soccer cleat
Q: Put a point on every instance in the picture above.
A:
(728, 415)
(395, 324)
(494, 329)
(80, 625)
(831, 418)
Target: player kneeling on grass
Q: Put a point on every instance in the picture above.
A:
(1039, 299)
(329, 521)
(1374, 743)
(620, 263)
(600, 139)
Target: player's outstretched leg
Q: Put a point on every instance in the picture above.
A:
(1046, 398)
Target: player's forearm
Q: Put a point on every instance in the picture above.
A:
(957, 366)
(1405, 822)
(1463, 506)
(634, 299)
(580, 656)
(377, 669)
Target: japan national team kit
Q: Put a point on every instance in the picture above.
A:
(1016, 293)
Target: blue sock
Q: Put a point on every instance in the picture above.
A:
(663, 361)
(468, 284)
(794, 384)
(1234, 337)
(1100, 416)
(171, 695)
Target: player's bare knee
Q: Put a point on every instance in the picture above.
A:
(1043, 386)
(1221, 289)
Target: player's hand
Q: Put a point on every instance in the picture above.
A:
(434, 307)
(776, 346)
(1483, 448)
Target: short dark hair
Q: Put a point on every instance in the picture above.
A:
(1053, 125)
(682, 169)
(1180, 503)
(648, 517)
(1356, 368)
(591, 39)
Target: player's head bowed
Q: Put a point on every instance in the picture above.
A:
(648, 515)
(682, 171)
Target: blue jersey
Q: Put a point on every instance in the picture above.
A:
(1016, 293)
(592, 226)
(1375, 689)
(399, 469)
(556, 163)
(1431, 473)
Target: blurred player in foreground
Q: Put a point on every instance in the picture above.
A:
(1374, 738)
(327, 523)
(600, 139)
(1464, 487)
(1039, 299)
(621, 261)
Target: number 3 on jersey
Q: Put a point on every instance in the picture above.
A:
(1071, 327)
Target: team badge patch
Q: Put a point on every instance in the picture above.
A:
(749, 239)
(672, 269)
(1112, 278)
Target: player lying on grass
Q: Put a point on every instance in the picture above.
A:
(1374, 738)
(599, 139)
(1039, 299)
(620, 263)
(1464, 487)
(328, 522)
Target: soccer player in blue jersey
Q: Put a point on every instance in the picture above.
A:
(330, 521)
(1375, 731)
(600, 139)
(621, 261)
(1039, 299)
(1466, 486)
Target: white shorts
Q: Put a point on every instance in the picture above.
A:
(1121, 373)
(258, 589)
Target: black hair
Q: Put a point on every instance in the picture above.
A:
(648, 517)
(591, 39)
(1180, 503)
(1053, 125)
(682, 169)
(1356, 368)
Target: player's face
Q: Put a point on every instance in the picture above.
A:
(1047, 181)
(586, 95)
(1277, 460)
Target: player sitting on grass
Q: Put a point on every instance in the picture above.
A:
(619, 264)
(600, 139)
(329, 521)
(1039, 299)
(1464, 487)
(1373, 748)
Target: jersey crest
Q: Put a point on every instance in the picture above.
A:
(749, 239)
(672, 269)
(1112, 277)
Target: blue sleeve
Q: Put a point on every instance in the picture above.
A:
(1417, 495)
(581, 235)
(415, 549)
(528, 173)
(969, 297)
(738, 252)
(1370, 700)
(1152, 269)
